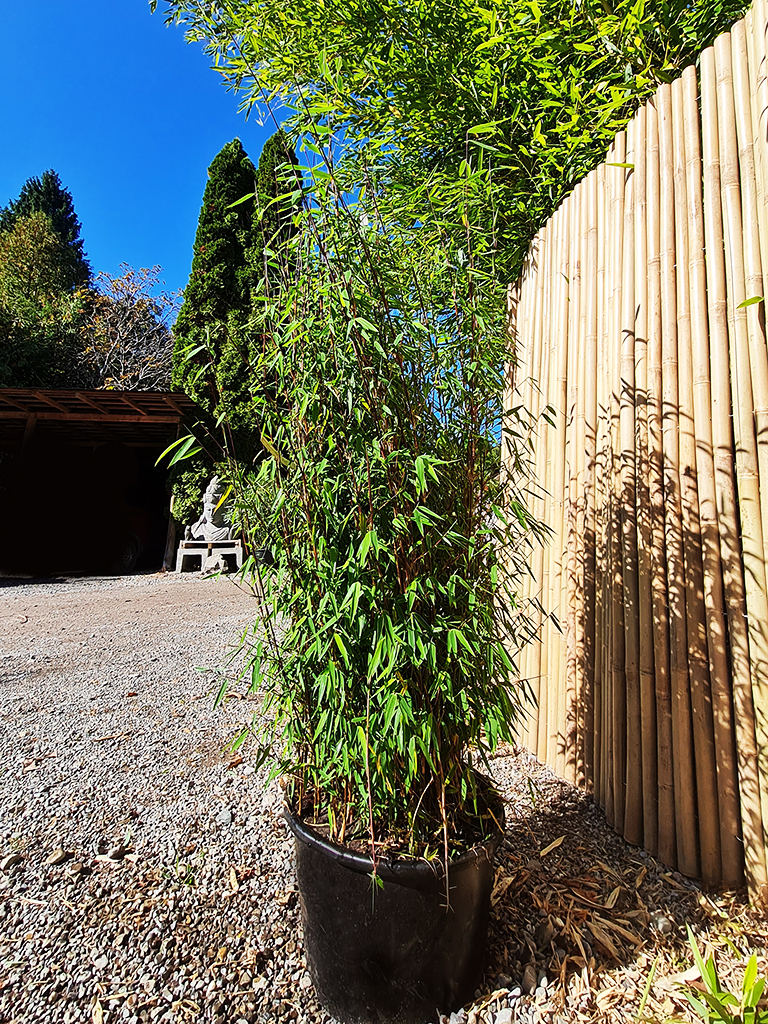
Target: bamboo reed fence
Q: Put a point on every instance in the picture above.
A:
(639, 339)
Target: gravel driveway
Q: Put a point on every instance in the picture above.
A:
(146, 874)
(141, 877)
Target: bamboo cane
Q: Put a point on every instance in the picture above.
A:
(600, 563)
(728, 525)
(644, 523)
(667, 832)
(550, 655)
(758, 91)
(548, 331)
(683, 763)
(518, 397)
(560, 402)
(554, 486)
(538, 555)
(589, 305)
(610, 629)
(633, 809)
(618, 692)
(577, 710)
(743, 405)
(698, 653)
(526, 315)
(726, 776)
(565, 765)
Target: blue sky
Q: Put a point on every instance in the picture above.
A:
(127, 113)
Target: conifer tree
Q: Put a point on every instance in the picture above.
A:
(276, 179)
(238, 254)
(47, 195)
(217, 300)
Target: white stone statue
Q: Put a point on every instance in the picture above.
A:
(212, 524)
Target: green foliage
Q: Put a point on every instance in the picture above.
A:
(217, 299)
(439, 135)
(188, 482)
(39, 316)
(539, 88)
(276, 176)
(716, 1005)
(395, 547)
(47, 196)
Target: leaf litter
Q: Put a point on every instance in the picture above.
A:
(586, 927)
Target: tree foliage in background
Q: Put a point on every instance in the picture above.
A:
(47, 195)
(536, 89)
(39, 315)
(126, 332)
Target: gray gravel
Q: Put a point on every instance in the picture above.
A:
(146, 874)
(141, 878)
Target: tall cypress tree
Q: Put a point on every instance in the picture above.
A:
(47, 195)
(217, 300)
(277, 177)
(237, 254)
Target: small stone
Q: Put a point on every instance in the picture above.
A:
(545, 933)
(116, 852)
(662, 924)
(529, 978)
(76, 869)
(100, 962)
(503, 981)
(10, 860)
(224, 817)
(503, 1017)
(57, 857)
(305, 983)
(514, 994)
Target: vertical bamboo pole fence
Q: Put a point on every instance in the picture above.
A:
(640, 320)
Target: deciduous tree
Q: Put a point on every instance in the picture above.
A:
(126, 333)
(47, 195)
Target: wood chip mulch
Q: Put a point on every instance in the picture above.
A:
(585, 927)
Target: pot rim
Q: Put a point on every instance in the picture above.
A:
(402, 871)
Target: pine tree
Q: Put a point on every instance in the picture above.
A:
(46, 195)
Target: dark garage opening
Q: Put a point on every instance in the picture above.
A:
(79, 489)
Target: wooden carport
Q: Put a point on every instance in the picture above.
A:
(35, 419)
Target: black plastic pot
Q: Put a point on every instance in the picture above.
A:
(391, 953)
